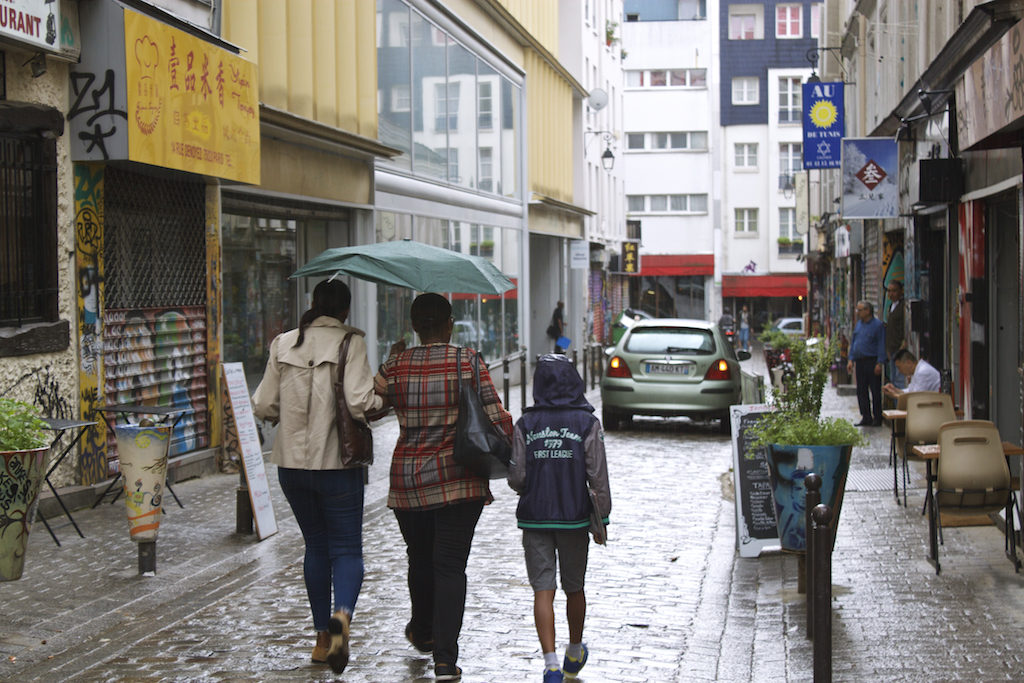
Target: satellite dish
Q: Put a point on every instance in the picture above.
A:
(598, 99)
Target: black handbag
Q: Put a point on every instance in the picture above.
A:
(355, 438)
(479, 444)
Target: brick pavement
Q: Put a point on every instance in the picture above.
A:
(669, 599)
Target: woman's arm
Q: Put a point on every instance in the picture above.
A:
(359, 394)
(266, 402)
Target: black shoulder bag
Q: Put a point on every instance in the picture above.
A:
(479, 444)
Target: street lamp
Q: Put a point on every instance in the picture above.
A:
(607, 159)
(812, 58)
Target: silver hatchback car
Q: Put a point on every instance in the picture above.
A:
(671, 367)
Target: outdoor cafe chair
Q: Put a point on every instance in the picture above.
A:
(973, 476)
(926, 412)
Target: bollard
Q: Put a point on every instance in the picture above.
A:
(522, 380)
(812, 483)
(147, 557)
(585, 366)
(504, 377)
(822, 517)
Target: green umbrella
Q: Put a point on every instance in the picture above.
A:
(405, 263)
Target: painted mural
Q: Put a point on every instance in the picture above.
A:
(89, 266)
(892, 267)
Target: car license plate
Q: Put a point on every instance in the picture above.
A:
(681, 369)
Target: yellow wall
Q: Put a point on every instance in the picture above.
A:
(316, 58)
(549, 130)
(539, 17)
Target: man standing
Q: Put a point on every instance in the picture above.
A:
(894, 332)
(867, 358)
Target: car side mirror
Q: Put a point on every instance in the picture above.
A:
(743, 355)
(609, 350)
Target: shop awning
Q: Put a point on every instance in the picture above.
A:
(508, 295)
(764, 285)
(677, 264)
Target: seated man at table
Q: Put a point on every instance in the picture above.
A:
(923, 377)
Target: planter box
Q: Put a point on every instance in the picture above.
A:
(787, 466)
(20, 477)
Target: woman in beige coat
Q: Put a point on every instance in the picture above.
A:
(297, 391)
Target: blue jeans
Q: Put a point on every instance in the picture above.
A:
(328, 505)
(745, 338)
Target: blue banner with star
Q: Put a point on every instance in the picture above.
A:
(823, 124)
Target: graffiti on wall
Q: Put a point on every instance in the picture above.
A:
(89, 266)
(213, 298)
(157, 356)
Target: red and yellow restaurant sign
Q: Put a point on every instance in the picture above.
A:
(192, 106)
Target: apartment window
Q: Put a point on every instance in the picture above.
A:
(746, 155)
(453, 164)
(816, 20)
(486, 169)
(787, 223)
(667, 203)
(446, 106)
(790, 157)
(787, 21)
(485, 105)
(746, 22)
(695, 140)
(400, 100)
(667, 78)
(28, 228)
(745, 90)
(789, 100)
(746, 221)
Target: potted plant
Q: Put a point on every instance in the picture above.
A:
(609, 32)
(24, 447)
(800, 441)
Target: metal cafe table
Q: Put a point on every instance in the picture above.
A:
(59, 426)
(165, 413)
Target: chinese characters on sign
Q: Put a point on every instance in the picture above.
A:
(630, 258)
(870, 170)
(823, 124)
(191, 105)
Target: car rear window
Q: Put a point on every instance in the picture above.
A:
(671, 340)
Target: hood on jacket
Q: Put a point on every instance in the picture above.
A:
(556, 384)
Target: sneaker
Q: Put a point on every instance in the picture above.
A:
(337, 653)
(553, 676)
(571, 667)
(423, 645)
(447, 672)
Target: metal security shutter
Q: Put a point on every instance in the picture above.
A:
(154, 320)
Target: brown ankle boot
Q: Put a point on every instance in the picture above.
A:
(337, 654)
(323, 643)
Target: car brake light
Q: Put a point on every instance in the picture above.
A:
(618, 368)
(719, 370)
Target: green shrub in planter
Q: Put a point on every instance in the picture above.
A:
(21, 426)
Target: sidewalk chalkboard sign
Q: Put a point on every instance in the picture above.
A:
(252, 452)
(756, 529)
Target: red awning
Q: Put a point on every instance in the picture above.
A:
(677, 264)
(764, 285)
(510, 294)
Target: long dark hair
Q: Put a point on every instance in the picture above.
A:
(330, 297)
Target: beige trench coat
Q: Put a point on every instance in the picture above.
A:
(297, 392)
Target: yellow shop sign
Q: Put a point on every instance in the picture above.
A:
(192, 106)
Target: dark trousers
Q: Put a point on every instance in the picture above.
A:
(868, 383)
(438, 543)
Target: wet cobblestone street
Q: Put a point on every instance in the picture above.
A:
(668, 598)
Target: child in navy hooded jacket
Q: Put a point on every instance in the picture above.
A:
(557, 454)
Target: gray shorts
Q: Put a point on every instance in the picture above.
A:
(571, 547)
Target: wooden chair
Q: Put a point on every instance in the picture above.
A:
(926, 412)
(973, 476)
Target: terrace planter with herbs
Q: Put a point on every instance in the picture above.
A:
(800, 441)
(24, 449)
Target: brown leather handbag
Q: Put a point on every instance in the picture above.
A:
(354, 436)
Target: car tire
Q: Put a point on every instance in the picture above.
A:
(725, 425)
(609, 419)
